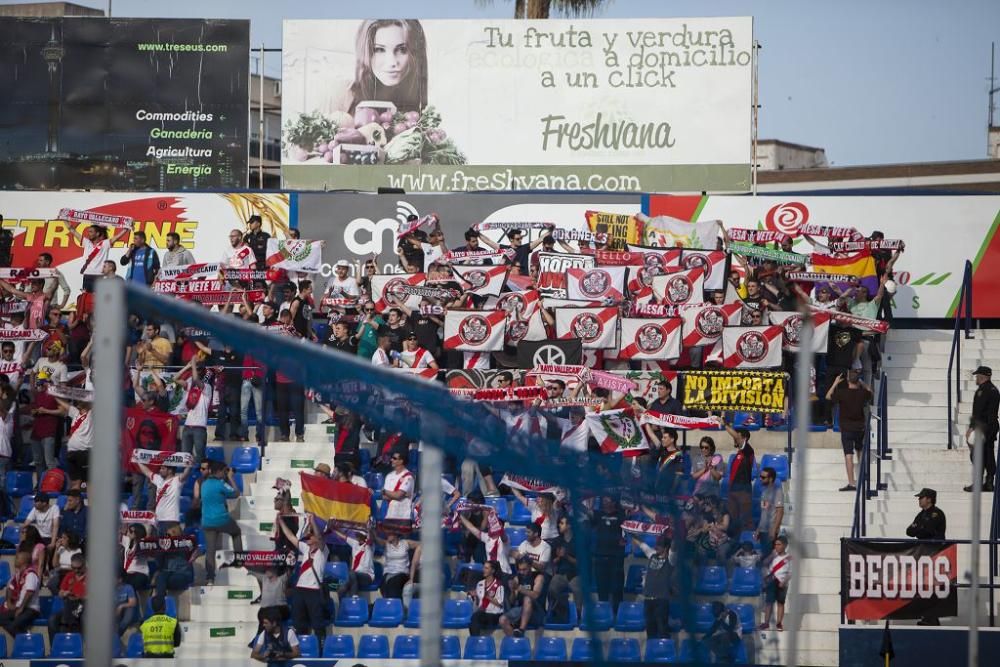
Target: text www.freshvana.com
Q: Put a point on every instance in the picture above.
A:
(508, 180)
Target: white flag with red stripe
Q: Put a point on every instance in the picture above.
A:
(713, 262)
(791, 324)
(617, 432)
(752, 347)
(602, 283)
(474, 330)
(703, 325)
(482, 280)
(653, 263)
(524, 317)
(386, 290)
(680, 288)
(295, 255)
(650, 339)
(597, 328)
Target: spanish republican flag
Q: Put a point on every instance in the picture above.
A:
(860, 265)
(340, 503)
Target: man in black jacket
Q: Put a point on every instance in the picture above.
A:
(257, 240)
(740, 482)
(930, 524)
(985, 406)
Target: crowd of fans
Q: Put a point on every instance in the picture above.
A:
(727, 515)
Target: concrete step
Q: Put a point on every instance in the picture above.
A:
(917, 373)
(922, 412)
(936, 346)
(969, 359)
(226, 635)
(901, 399)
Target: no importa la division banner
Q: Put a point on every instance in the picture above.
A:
(752, 391)
(627, 105)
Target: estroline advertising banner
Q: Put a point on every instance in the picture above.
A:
(202, 220)
(940, 233)
(123, 104)
(355, 226)
(898, 580)
(458, 105)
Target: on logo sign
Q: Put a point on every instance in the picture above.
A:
(363, 236)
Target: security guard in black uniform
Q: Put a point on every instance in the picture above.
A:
(985, 406)
(930, 523)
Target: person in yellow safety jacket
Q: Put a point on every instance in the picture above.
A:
(160, 633)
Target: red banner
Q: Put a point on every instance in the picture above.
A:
(147, 429)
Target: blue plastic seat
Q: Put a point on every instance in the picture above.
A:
(406, 646)
(387, 613)
(459, 584)
(703, 617)
(19, 483)
(584, 649)
(457, 614)
(500, 506)
(624, 650)
(515, 648)
(660, 650)
(451, 647)
(676, 618)
(520, 515)
(480, 648)
(746, 582)
(4, 574)
(631, 617)
(570, 623)
(188, 488)
(413, 615)
(47, 605)
(335, 571)
(24, 508)
(747, 617)
(712, 580)
(338, 646)
(215, 453)
(691, 652)
(185, 505)
(366, 461)
(245, 460)
(377, 581)
(634, 579)
(601, 619)
(170, 604)
(375, 480)
(28, 646)
(751, 537)
(373, 646)
(353, 613)
(777, 461)
(67, 645)
(516, 535)
(134, 648)
(309, 646)
(11, 534)
(550, 649)
(750, 421)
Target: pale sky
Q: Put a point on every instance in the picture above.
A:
(872, 82)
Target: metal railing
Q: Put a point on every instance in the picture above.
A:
(955, 357)
(869, 484)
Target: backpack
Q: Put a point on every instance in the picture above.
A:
(53, 481)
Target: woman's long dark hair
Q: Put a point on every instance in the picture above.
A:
(411, 93)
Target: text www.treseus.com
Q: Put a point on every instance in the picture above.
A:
(507, 180)
(182, 48)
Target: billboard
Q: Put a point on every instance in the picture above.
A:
(355, 226)
(940, 232)
(124, 104)
(202, 220)
(458, 105)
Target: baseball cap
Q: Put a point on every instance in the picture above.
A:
(983, 370)
(342, 264)
(411, 336)
(41, 497)
(927, 493)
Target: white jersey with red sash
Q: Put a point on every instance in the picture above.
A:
(361, 557)
(81, 430)
(312, 566)
(490, 598)
(399, 481)
(781, 568)
(94, 256)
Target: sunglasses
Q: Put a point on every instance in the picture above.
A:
(551, 387)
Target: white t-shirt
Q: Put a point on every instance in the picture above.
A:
(44, 521)
(399, 481)
(381, 358)
(418, 358)
(496, 594)
(397, 558)
(311, 577)
(7, 434)
(65, 556)
(432, 253)
(550, 528)
(358, 480)
(361, 557)
(238, 258)
(57, 369)
(81, 430)
(198, 415)
(97, 254)
(540, 554)
(31, 586)
(290, 637)
(337, 288)
(134, 563)
(496, 549)
(574, 437)
(168, 498)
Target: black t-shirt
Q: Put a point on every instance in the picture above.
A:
(302, 320)
(522, 254)
(397, 334)
(232, 358)
(413, 255)
(840, 346)
(608, 539)
(343, 345)
(563, 566)
(427, 333)
(258, 243)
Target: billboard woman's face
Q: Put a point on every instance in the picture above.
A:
(390, 55)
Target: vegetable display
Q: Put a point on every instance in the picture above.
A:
(371, 137)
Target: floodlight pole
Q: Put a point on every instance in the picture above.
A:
(431, 594)
(104, 476)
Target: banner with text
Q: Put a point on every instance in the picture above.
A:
(626, 105)
(123, 103)
(752, 391)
